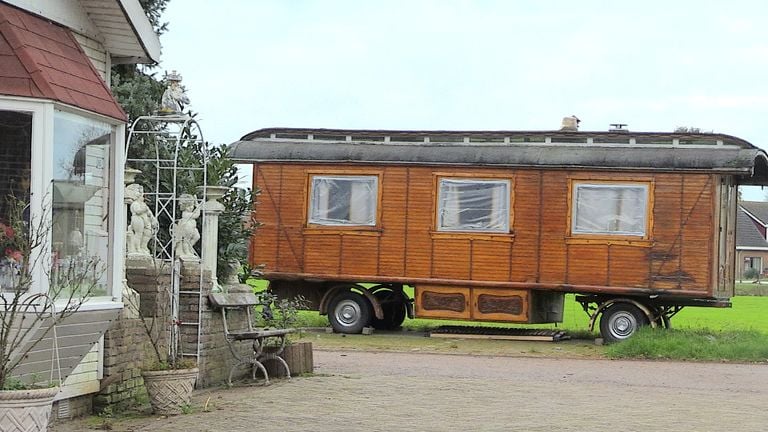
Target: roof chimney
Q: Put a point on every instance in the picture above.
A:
(570, 124)
(618, 127)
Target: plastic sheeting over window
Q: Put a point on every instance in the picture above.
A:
(343, 200)
(473, 205)
(610, 209)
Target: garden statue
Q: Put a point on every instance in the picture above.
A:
(143, 224)
(185, 231)
(174, 97)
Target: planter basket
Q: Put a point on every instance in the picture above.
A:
(169, 390)
(26, 410)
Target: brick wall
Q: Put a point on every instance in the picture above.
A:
(127, 351)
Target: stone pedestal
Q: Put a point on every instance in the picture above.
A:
(212, 208)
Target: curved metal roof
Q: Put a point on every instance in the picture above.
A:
(647, 151)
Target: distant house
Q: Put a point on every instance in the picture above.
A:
(752, 240)
(62, 144)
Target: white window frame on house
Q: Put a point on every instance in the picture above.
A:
(613, 220)
(41, 175)
(361, 206)
(452, 205)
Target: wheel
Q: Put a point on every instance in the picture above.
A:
(393, 306)
(620, 321)
(349, 312)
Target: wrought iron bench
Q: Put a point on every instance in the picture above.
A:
(245, 302)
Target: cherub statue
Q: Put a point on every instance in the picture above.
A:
(143, 224)
(174, 97)
(185, 234)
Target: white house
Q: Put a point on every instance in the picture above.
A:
(62, 144)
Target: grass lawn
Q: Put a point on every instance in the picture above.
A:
(739, 333)
(747, 313)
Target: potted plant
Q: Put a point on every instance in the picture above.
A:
(168, 378)
(28, 318)
(283, 314)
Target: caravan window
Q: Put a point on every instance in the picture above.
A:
(343, 200)
(610, 209)
(473, 205)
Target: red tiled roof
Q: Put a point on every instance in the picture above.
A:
(41, 59)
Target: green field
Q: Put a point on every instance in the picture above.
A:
(747, 313)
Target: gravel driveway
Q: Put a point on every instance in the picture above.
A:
(377, 391)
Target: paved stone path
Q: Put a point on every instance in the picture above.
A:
(370, 391)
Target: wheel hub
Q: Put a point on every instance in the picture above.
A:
(622, 325)
(348, 313)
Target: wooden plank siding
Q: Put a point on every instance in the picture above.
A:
(76, 336)
(677, 254)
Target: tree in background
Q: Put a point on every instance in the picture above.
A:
(139, 90)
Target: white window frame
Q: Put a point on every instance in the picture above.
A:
(503, 200)
(577, 185)
(41, 174)
(315, 219)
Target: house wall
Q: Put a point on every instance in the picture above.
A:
(97, 54)
(76, 337)
(743, 254)
(677, 258)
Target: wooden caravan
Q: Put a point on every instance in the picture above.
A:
(497, 226)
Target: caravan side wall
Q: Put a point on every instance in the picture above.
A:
(679, 254)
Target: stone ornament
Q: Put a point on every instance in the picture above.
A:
(174, 97)
(143, 224)
(185, 231)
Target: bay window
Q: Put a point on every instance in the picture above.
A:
(60, 163)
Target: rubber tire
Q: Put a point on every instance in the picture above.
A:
(620, 321)
(393, 308)
(349, 312)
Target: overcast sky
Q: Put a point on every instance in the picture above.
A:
(476, 65)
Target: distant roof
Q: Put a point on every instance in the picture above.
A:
(747, 234)
(40, 59)
(648, 151)
(758, 209)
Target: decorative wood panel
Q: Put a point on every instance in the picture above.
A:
(500, 305)
(442, 302)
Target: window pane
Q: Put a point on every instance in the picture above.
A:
(81, 173)
(15, 158)
(473, 205)
(344, 200)
(610, 209)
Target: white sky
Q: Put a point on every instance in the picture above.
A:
(477, 65)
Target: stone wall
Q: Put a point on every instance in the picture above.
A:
(127, 349)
